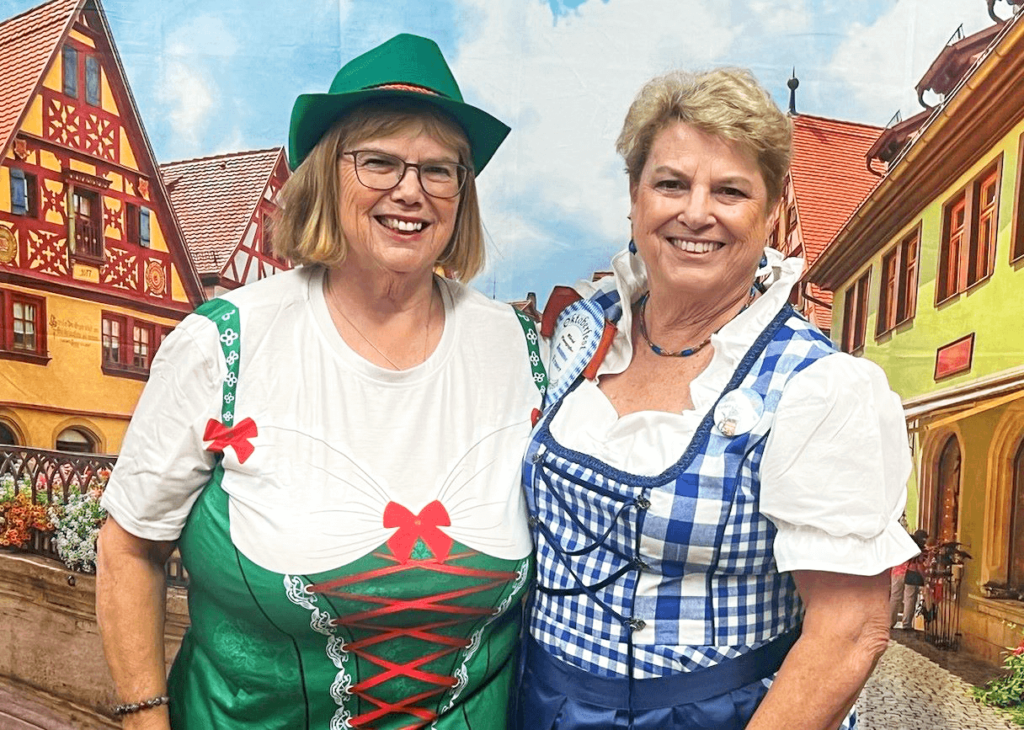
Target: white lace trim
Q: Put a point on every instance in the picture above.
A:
(462, 673)
(320, 621)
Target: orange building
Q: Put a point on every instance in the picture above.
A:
(93, 267)
(828, 179)
(225, 205)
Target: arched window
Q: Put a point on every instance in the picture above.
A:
(947, 493)
(7, 437)
(76, 440)
(1017, 522)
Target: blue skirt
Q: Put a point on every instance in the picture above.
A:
(554, 695)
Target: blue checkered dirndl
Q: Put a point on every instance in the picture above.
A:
(657, 602)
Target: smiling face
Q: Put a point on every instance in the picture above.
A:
(700, 214)
(402, 230)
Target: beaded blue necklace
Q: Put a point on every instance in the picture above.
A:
(687, 352)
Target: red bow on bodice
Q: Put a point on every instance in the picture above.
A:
(423, 526)
(237, 437)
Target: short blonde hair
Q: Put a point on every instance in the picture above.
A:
(307, 230)
(724, 102)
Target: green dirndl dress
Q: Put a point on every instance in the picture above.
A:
(419, 633)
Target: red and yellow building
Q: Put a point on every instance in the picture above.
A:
(93, 266)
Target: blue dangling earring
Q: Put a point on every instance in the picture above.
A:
(758, 284)
(632, 246)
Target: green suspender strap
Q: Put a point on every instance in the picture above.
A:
(540, 376)
(228, 433)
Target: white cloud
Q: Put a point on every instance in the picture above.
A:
(189, 90)
(882, 62)
(564, 88)
(780, 16)
(190, 100)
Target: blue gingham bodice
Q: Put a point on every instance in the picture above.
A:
(653, 575)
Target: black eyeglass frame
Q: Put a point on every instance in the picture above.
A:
(462, 172)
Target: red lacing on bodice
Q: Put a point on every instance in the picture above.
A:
(369, 621)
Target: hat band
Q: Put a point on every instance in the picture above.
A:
(407, 87)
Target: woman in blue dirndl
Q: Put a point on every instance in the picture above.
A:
(714, 489)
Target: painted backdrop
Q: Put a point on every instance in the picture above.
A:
(214, 76)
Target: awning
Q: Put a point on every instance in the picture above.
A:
(954, 404)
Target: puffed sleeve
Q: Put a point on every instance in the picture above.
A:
(163, 465)
(835, 469)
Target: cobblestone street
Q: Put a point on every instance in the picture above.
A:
(909, 691)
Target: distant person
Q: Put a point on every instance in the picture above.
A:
(716, 490)
(907, 580)
(336, 450)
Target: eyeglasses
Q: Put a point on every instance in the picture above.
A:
(381, 171)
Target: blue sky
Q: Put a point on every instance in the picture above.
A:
(221, 75)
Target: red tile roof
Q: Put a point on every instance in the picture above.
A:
(214, 199)
(830, 176)
(27, 44)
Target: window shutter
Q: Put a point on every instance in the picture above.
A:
(92, 80)
(70, 58)
(144, 227)
(131, 222)
(19, 192)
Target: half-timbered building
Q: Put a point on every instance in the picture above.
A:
(93, 267)
(225, 205)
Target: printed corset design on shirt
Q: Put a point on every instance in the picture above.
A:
(651, 575)
(401, 642)
(397, 638)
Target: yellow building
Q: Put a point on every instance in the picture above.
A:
(928, 276)
(93, 268)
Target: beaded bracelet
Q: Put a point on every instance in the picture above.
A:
(133, 707)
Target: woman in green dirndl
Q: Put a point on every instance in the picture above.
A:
(335, 450)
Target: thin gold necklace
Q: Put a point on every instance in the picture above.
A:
(426, 336)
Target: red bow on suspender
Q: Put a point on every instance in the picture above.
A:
(237, 437)
(423, 526)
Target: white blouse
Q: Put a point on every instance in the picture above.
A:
(836, 463)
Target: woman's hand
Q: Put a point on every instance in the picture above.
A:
(130, 603)
(845, 631)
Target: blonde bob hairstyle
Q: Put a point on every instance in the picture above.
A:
(726, 103)
(308, 231)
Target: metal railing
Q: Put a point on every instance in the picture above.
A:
(51, 478)
(55, 474)
(942, 590)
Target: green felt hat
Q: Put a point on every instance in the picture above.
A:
(407, 66)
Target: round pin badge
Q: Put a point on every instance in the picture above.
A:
(738, 412)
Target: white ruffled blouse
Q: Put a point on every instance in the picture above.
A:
(835, 467)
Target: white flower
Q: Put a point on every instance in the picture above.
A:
(534, 358)
(232, 358)
(531, 336)
(229, 398)
(231, 379)
(228, 337)
(226, 317)
(228, 418)
(76, 526)
(538, 377)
